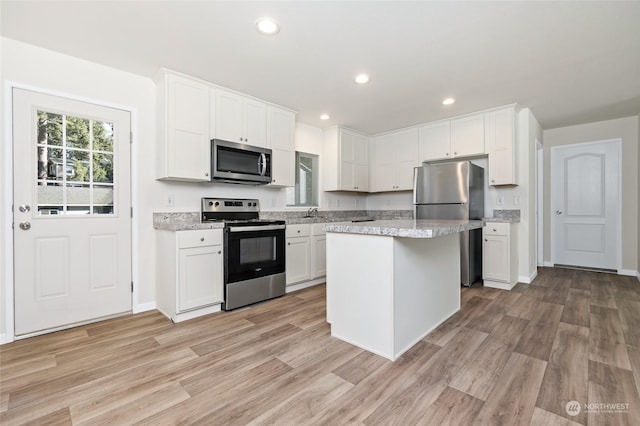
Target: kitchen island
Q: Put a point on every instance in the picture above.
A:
(391, 282)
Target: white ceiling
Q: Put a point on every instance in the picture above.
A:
(570, 62)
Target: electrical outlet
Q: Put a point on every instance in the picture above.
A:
(516, 200)
(169, 200)
(338, 202)
(500, 200)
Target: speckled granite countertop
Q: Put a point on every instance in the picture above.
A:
(505, 216)
(408, 228)
(182, 222)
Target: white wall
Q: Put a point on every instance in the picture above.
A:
(627, 130)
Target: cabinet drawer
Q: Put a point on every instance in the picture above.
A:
(199, 238)
(496, 228)
(299, 230)
(316, 229)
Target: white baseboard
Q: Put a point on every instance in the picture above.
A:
(628, 272)
(305, 284)
(498, 284)
(143, 307)
(548, 264)
(529, 279)
(5, 338)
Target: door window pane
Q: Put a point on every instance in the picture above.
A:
(75, 164)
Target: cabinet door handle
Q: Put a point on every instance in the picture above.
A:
(201, 238)
(288, 244)
(206, 174)
(455, 153)
(219, 251)
(486, 240)
(447, 154)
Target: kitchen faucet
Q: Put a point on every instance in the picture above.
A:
(312, 212)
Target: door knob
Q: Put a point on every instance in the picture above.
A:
(24, 208)
(25, 226)
(558, 212)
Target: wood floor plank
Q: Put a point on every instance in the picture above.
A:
(277, 360)
(525, 307)
(537, 339)
(512, 400)
(489, 318)
(452, 407)
(61, 417)
(302, 407)
(478, 377)
(634, 359)
(360, 367)
(545, 418)
(138, 409)
(612, 385)
(377, 388)
(606, 339)
(432, 379)
(603, 294)
(509, 330)
(577, 309)
(629, 313)
(567, 374)
(557, 291)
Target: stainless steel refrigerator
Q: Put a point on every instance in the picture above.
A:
(454, 190)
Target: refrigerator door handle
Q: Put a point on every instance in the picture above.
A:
(416, 171)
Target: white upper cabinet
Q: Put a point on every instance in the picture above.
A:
(435, 141)
(346, 160)
(394, 155)
(467, 135)
(240, 119)
(500, 136)
(183, 148)
(447, 139)
(281, 123)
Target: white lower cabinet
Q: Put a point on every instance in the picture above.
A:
(298, 253)
(189, 273)
(499, 264)
(318, 251)
(306, 252)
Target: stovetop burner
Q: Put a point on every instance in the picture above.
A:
(235, 212)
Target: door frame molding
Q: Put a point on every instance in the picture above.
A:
(617, 142)
(9, 276)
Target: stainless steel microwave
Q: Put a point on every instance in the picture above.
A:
(239, 163)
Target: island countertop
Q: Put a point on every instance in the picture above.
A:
(407, 228)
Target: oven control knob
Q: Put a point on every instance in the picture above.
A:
(217, 203)
(210, 203)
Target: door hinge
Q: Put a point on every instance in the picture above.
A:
(131, 212)
(131, 286)
(130, 137)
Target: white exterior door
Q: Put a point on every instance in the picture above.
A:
(72, 222)
(585, 203)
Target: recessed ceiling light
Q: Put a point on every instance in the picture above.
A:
(362, 78)
(448, 101)
(325, 117)
(267, 26)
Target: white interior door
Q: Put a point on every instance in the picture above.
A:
(72, 222)
(585, 202)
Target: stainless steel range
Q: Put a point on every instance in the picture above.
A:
(254, 251)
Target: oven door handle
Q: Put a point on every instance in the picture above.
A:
(255, 228)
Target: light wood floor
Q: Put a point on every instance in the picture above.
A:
(506, 358)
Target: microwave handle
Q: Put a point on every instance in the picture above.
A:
(262, 164)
